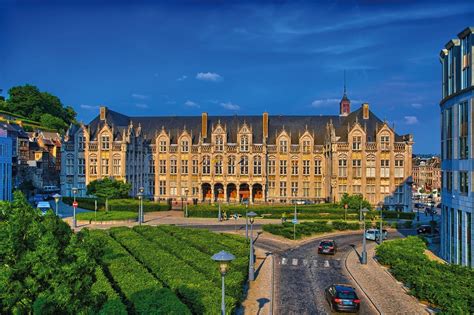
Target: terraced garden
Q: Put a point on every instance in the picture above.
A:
(167, 270)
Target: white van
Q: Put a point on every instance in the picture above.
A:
(373, 234)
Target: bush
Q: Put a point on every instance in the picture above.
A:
(102, 286)
(117, 204)
(107, 216)
(408, 224)
(308, 228)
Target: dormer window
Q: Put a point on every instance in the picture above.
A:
(283, 146)
(385, 142)
(184, 146)
(81, 140)
(105, 140)
(306, 146)
(220, 143)
(163, 146)
(244, 143)
(356, 143)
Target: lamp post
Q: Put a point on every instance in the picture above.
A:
(251, 216)
(223, 258)
(186, 191)
(345, 211)
(295, 219)
(381, 229)
(364, 249)
(246, 223)
(56, 197)
(140, 206)
(219, 191)
(74, 205)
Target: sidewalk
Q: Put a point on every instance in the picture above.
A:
(387, 294)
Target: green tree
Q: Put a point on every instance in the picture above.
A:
(354, 202)
(49, 121)
(108, 189)
(45, 267)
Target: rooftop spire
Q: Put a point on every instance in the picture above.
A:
(344, 81)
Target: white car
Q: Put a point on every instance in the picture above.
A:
(373, 234)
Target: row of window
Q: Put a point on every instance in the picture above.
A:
(447, 134)
(463, 181)
(455, 224)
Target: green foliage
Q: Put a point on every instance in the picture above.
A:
(354, 202)
(102, 287)
(45, 267)
(308, 228)
(450, 287)
(118, 204)
(107, 216)
(108, 188)
(52, 122)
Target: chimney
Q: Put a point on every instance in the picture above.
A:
(103, 112)
(204, 125)
(265, 125)
(365, 111)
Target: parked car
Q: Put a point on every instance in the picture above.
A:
(327, 247)
(342, 297)
(424, 229)
(374, 234)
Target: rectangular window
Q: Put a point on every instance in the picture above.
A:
(93, 166)
(449, 181)
(282, 189)
(195, 167)
(356, 189)
(318, 190)
(116, 167)
(294, 167)
(294, 189)
(468, 239)
(244, 166)
(306, 146)
(305, 167)
(356, 168)
(173, 166)
(306, 189)
(459, 245)
(342, 168)
(81, 167)
(385, 142)
(463, 130)
(162, 167)
(283, 146)
(464, 183)
(449, 133)
(206, 165)
(163, 146)
(370, 168)
(385, 168)
(219, 143)
(184, 146)
(356, 143)
(317, 167)
(105, 142)
(184, 167)
(283, 167)
(271, 167)
(231, 165)
(105, 166)
(271, 187)
(370, 189)
(162, 187)
(218, 166)
(399, 170)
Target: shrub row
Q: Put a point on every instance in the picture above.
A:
(263, 207)
(117, 204)
(308, 228)
(193, 288)
(107, 216)
(450, 287)
(113, 304)
(144, 292)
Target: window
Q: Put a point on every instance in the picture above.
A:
(384, 190)
(294, 167)
(151, 166)
(282, 189)
(81, 142)
(399, 170)
(184, 146)
(342, 190)
(93, 164)
(173, 189)
(370, 166)
(231, 165)
(385, 168)
(218, 165)
(195, 166)
(116, 163)
(385, 142)
(306, 146)
(105, 140)
(271, 167)
(244, 166)
(449, 133)
(356, 189)
(244, 143)
(356, 143)
(342, 166)
(305, 189)
(219, 143)
(184, 167)
(463, 131)
(283, 167)
(70, 164)
(318, 189)
(162, 167)
(173, 166)
(294, 189)
(464, 183)
(81, 168)
(271, 187)
(317, 167)
(465, 64)
(162, 188)
(257, 165)
(370, 189)
(449, 181)
(356, 168)
(162, 146)
(105, 166)
(283, 146)
(305, 167)
(206, 165)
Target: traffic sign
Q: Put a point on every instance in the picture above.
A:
(75, 204)
(294, 221)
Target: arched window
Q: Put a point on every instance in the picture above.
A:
(218, 165)
(257, 165)
(116, 165)
(93, 164)
(231, 165)
(105, 141)
(206, 165)
(244, 143)
(294, 166)
(244, 165)
(342, 166)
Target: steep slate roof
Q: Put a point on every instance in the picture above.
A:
(295, 126)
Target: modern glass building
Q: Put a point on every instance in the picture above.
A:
(5, 166)
(457, 153)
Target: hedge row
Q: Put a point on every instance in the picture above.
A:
(195, 258)
(308, 228)
(107, 216)
(194, 289)
(144, 292)
(450, 287)
(113, 304)
(117, 204)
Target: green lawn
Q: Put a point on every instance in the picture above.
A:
(108, 216)
(309, 228)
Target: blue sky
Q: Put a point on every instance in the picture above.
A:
(227, 57)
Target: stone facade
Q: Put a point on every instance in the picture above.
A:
(427, 173)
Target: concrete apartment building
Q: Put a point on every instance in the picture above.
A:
(457, 154)
(267, 158)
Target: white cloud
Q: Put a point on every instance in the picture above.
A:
(139, 96)
(190, 103)
(416, 105)
(209, 76)
(182, 78)
(141, 105)
(324, 102)
(230, 106)
(411, 120)
(89, 107)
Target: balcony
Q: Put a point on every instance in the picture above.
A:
(271, 149)
(371, 146)
(318, 148)
(341, 146)
(195, 149)
(173, 148)
(295, 148)
(93, 146)
(257, 148)
(116, 147)
(232, 148)
(399, 147)
(206, 148)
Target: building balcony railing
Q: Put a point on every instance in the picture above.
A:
(173, 148)
(93, 146)
(271, 148)
(318, 148)
(399, 147)
(195, 149)
(257, 148)
(343, 146)
(371, 146)
(232, 148)
(206, 148)
(116, 147)
(294, 148)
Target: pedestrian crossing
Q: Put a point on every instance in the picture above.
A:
(310, 262)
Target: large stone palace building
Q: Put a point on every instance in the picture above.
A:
(267, 158)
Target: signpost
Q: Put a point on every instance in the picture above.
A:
(295, 222)
(74, 206)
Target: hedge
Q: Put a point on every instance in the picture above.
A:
(113, 304)
(144, 292)
(107, 216)
(117, 204)
(308, 228)
(193, 288)
(449, 287)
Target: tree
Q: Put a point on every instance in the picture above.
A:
(355, 202)
(45, 267)
(108, 189)
(49, 121)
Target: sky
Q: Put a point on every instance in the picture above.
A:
(229, 57)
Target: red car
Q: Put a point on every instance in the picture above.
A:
(327, 247)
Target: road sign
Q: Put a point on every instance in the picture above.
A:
(294, 221)
(75, 204)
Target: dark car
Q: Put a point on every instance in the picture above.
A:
(424, 229)
(327, 247)
(342, 297)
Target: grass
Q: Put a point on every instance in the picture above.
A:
(107, 216)
(308, 228)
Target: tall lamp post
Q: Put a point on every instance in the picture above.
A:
(295, 219)
(57, 197)
(223, 258)
(74, 206)
(246, 223)
(364, 249)
(186, 191)
(251, 215)
(219, 191)
(381, 227)
(140, 206)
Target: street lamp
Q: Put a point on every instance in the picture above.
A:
(140, 206)
(364, 249)
(251, 215)
(186, 191)
(223, 258)
(219, 191)
(295, 219)
(74, 193)
(246, 223)
(381, 229)
(56, 197)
